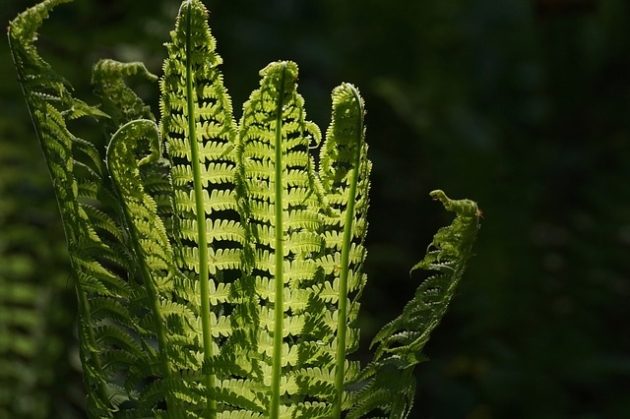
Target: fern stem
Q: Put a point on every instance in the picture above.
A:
(342, 314)
(201, 224)
(279, 280)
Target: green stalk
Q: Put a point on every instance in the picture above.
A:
(201, 224)
(342, 314)
(279, 280)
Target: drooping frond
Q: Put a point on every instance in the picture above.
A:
(119, 101)
(445, 261)
(49, 100)
(388, 384)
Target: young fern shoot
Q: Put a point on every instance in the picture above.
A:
(218, 268)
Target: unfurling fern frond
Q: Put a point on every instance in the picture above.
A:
(387, 382)
(124, 105)
(120, 102)
(218, 269)
(152, 253)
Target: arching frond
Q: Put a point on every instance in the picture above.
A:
(96, 239)
(387, 383)
(120, 102)
(153, 256)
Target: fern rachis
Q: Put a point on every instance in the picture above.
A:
(276, 371)
(218, 267)
(199, 210)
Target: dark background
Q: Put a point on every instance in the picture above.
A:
(521, 105)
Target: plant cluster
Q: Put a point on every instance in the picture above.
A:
(218, 265)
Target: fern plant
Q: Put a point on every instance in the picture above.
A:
(218, 268)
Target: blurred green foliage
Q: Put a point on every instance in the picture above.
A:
(39, 359)
(522, 105)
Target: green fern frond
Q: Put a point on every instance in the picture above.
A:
(78, 175)
(152, 251)
(445, 261)
(123, 105)
(48, 99)
(400, 342)
(345, 170)
(280, 212)
(199, 131)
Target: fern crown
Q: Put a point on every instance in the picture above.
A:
(218, 265)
